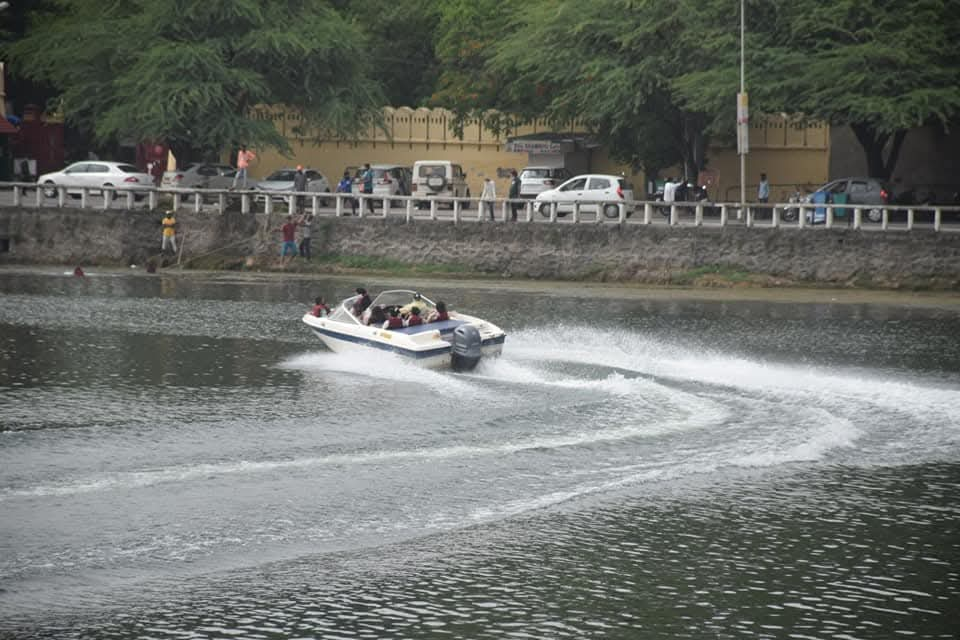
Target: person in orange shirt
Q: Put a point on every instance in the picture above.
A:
(243, 161)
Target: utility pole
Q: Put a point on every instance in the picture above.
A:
(743, 114)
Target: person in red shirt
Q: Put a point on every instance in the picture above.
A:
(394, 321)
(320, 308)
(414, 318)
(439, 314)
(288, 250)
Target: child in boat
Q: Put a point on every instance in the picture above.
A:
(439, 314)
(394, 321)
(414, 318)
(320, 308)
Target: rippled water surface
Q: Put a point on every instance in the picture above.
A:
(180, 458)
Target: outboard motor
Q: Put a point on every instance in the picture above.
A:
(465, 353)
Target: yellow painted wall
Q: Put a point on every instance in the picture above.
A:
(792, 154)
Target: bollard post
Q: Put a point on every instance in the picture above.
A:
(40, 197)
(409, 215)
(621, 213)
(673, 215)
(83, 197)
(61, 196)
(245, 203)
(386, 206)
(222, 202)
(528, 211)
(197, 202)
(456, 212)
(910, 219)
(315, 206)
(107, 196)
(337, 205)
(16, 195)
(829, 222)
(749, 217)
(129, 199)
(885, 219)
(268, 204)
(937, 217)
(553, 212)
(723, 215)
(698, 215)
(152, 199)
(176, 202)
(647, 213)
(801, 216)
(576, 213)
(775, 217)
(433, 208)
(857, 217)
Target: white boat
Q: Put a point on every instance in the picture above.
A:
(459, 342)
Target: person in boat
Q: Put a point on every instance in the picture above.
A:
(377, 316)
(439, 314)
(394, 321)
(320, 308)
(417, 301)
(414, 318)
(361, 303)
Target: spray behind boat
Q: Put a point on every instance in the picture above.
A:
(465, 352)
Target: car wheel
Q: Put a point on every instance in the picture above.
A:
(611, 210)
(875, 215)
(50, 189)
(544, 209)
(790, 215)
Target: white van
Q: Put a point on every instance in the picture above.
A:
(441, 178)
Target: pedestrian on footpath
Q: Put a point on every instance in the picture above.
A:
(244, 157)
(300, 186)
(488, 195)
(367, 179)
(346, 186)
(169, 240)
(763, 190)
(514, 193)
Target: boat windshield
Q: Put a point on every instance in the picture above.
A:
(398, 298)
(342, 313)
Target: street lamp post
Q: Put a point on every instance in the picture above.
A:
(743, 114)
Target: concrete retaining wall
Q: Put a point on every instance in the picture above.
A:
(632, 253)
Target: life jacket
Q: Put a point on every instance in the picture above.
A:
(414, 320)
(394, 322)
(320, 310)
(441, 316)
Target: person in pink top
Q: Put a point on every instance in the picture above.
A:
(243, 161)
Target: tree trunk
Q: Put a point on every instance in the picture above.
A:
(874, 145)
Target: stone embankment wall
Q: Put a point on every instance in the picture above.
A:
(633, 253)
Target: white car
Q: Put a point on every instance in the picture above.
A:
(593, 191)
(388, 180)
(94, 175)
(534, 180)
(282, 180)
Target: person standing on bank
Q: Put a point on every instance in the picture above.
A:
(763, 190)
(488, 195)
(169, 223)
(306, 233)
(288, 249)
(514, 193)
(243, 161)
(300, 186)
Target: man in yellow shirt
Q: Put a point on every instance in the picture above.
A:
(169, 233)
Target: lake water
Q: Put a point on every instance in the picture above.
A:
(181, 458)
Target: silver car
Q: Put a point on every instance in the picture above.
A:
(94, 175)
(282, 180)
(200, 175)
(535, 180)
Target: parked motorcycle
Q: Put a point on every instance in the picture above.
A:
(790, 214)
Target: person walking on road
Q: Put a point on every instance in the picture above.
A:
(346, 186)
(514, 193)
(488, 195)
(169, 241)
(243, 161)
(367, 179)
(300, 186)
(763, 189)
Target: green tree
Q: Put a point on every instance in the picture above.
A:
(188, 72)
(882, 67)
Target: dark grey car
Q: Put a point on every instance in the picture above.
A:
(864, 191)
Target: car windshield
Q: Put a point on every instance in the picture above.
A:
(281, 176)
(128, 168)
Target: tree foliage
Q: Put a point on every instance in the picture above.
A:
(189, 71)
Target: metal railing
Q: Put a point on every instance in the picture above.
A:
(463, 209)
